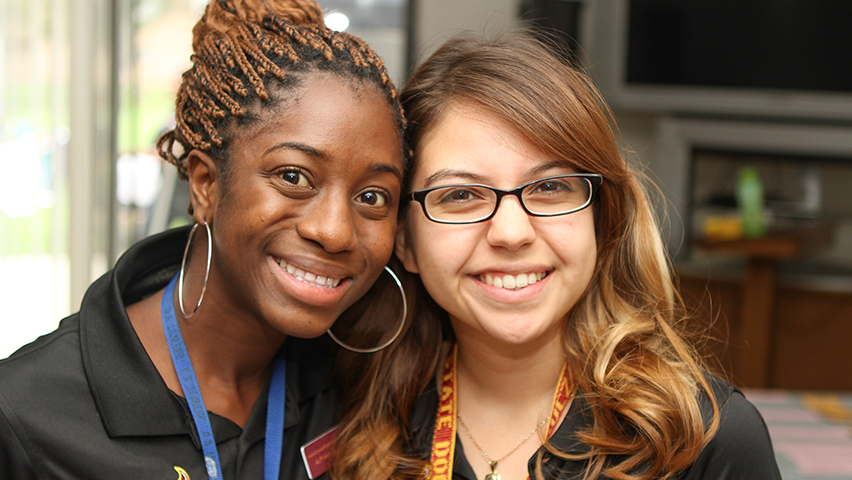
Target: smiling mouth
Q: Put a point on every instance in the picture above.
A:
(308, 277)
(512, 282)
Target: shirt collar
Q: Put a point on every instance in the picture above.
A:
(578, 419)
(131, 397)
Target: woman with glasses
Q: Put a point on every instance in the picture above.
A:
(550, 344)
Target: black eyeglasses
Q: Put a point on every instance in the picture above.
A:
(545, 197)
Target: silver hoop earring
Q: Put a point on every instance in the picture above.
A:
(398, 330)
(183, 267)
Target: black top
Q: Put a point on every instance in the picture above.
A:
(741, 449)
(85, 401)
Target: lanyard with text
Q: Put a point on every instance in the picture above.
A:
(189, 384)
(444, 438)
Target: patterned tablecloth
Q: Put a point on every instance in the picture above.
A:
(811, 432)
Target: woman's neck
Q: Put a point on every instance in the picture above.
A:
(227, 342)
(231, 355)
(509, 375)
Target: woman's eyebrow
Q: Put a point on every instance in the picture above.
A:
(297, 146)
(447, 173)
(386, 168)
(476, 178)
(541, 169)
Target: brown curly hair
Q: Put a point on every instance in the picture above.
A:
(240, 46)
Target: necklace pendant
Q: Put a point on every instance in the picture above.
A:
(493, 475)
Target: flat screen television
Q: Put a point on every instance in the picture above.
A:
(776, 58)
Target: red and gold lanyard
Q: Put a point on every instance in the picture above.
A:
(444, 438)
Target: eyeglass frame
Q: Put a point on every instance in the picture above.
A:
(595, 180)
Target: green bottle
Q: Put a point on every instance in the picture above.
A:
(750, 203)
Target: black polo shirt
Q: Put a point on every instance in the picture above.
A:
(86, 402)
(741, 449)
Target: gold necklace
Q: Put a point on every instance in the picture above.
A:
(493, 463)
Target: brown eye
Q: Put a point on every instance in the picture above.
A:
(375, 199)
(456, 195)
(296, 178)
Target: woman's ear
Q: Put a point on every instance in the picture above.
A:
(203, 177)
(403, 250)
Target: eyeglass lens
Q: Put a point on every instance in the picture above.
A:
(465, 203)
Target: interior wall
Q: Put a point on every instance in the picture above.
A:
(436, 20)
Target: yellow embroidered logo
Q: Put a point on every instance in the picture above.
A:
(182, 475)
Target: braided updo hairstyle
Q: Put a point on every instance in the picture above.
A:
(240, 46)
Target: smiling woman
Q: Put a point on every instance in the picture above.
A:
(194, 354)
(314, 191)
(551, 339)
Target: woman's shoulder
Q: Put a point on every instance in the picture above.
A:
(58, 346)
(722, 392)
(740, 423)
(741, 448)
(37, 381)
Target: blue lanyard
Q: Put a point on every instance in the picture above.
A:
(189, 384)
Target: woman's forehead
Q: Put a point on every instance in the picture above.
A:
(328, 120)
(468, 143)
(316, 98)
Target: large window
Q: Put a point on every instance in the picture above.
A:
(34, 137)
(150, 56)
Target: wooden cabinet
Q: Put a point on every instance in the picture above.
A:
(806, 345)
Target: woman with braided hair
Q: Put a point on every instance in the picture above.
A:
(554, 347)
(197, 356)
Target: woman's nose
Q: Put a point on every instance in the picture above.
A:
(510, 227)
(328, 222)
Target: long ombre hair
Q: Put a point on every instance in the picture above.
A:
(624, 338)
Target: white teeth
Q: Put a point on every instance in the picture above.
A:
(308, 277)
(512, 282)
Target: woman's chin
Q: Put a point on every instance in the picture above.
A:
(510, 330)
(304, 328)
(517, 339)
(514, 336)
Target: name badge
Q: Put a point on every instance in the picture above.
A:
(316, 453)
